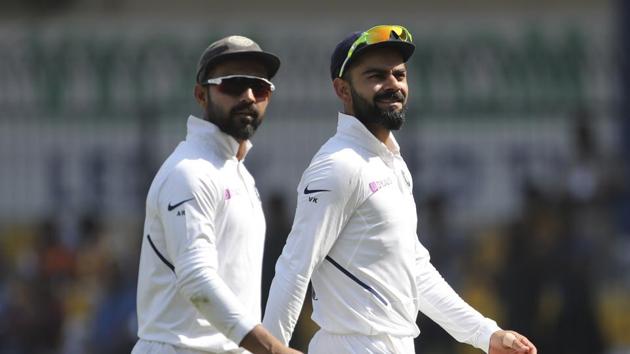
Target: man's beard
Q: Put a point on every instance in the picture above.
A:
(240, 122)
(368, 112)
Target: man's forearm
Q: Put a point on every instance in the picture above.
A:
(211, 296)
(286, 298)
(261, 341)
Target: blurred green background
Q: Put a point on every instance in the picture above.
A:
(518, 138)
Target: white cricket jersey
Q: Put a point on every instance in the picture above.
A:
(354, 236)
(202, 249)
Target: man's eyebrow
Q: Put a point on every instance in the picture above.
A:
(374, 71)
(400, 70)
(369, 71)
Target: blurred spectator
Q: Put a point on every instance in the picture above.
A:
(278, 221)
(436, 234)
(112, 329)
(440, 237)
(84, 294)
(576, 328)
(549, 284)
(529, 249)
(56, 260)
(34, 315)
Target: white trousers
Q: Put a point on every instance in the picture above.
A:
(151, 347)
(328, 343)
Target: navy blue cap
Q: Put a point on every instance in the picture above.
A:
(341, 51)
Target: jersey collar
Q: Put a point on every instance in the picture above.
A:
(208, 134)
(352, 127)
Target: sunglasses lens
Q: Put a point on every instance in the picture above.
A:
(232, 87)
(237, 85)
(384, 33)
(403, 34)
(261, 89)
(378, 34)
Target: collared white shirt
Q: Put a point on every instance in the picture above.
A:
(202, 249)
(354, 236)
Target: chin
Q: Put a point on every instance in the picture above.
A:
(247, 132)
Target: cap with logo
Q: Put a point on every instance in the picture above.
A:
(235, 47)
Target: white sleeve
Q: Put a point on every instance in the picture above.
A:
(191, 245)
(440, 302)
(319, 218)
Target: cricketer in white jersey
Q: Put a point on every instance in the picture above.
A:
(195, 241)
(354, 232)
(199, 280)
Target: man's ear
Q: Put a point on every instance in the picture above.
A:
(342, 90)
(200, 96)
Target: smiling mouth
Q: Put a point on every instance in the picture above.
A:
(393, 102)
(390, 97)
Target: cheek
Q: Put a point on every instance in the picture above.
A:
(367, 92)
(404, 87)
(219, 108)
(371, 88)
(262, 106)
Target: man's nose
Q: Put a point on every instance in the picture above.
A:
(248, 96)
(392, 83)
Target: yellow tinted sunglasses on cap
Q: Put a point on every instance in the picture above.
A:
(377, 34)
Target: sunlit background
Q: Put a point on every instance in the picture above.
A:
(518, 138)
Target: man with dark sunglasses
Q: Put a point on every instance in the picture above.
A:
(354, 233)
(199, 283)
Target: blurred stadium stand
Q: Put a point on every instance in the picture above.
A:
(518, 137)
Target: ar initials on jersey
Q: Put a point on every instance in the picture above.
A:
(312, 199)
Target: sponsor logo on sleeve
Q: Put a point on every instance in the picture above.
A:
(375, 186)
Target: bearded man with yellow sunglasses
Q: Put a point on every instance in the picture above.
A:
(354, 233)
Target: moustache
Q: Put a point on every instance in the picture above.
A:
(390, 95)
(245, 108)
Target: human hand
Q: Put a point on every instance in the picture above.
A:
(287, 350)
(510, 342)
(260, 341)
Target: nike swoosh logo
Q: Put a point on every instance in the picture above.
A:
(171, 207)
(309, 191)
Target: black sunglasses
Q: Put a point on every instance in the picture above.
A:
(235, 85)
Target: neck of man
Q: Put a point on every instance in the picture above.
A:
(242, 144)
(380, 132)
(242, 149)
